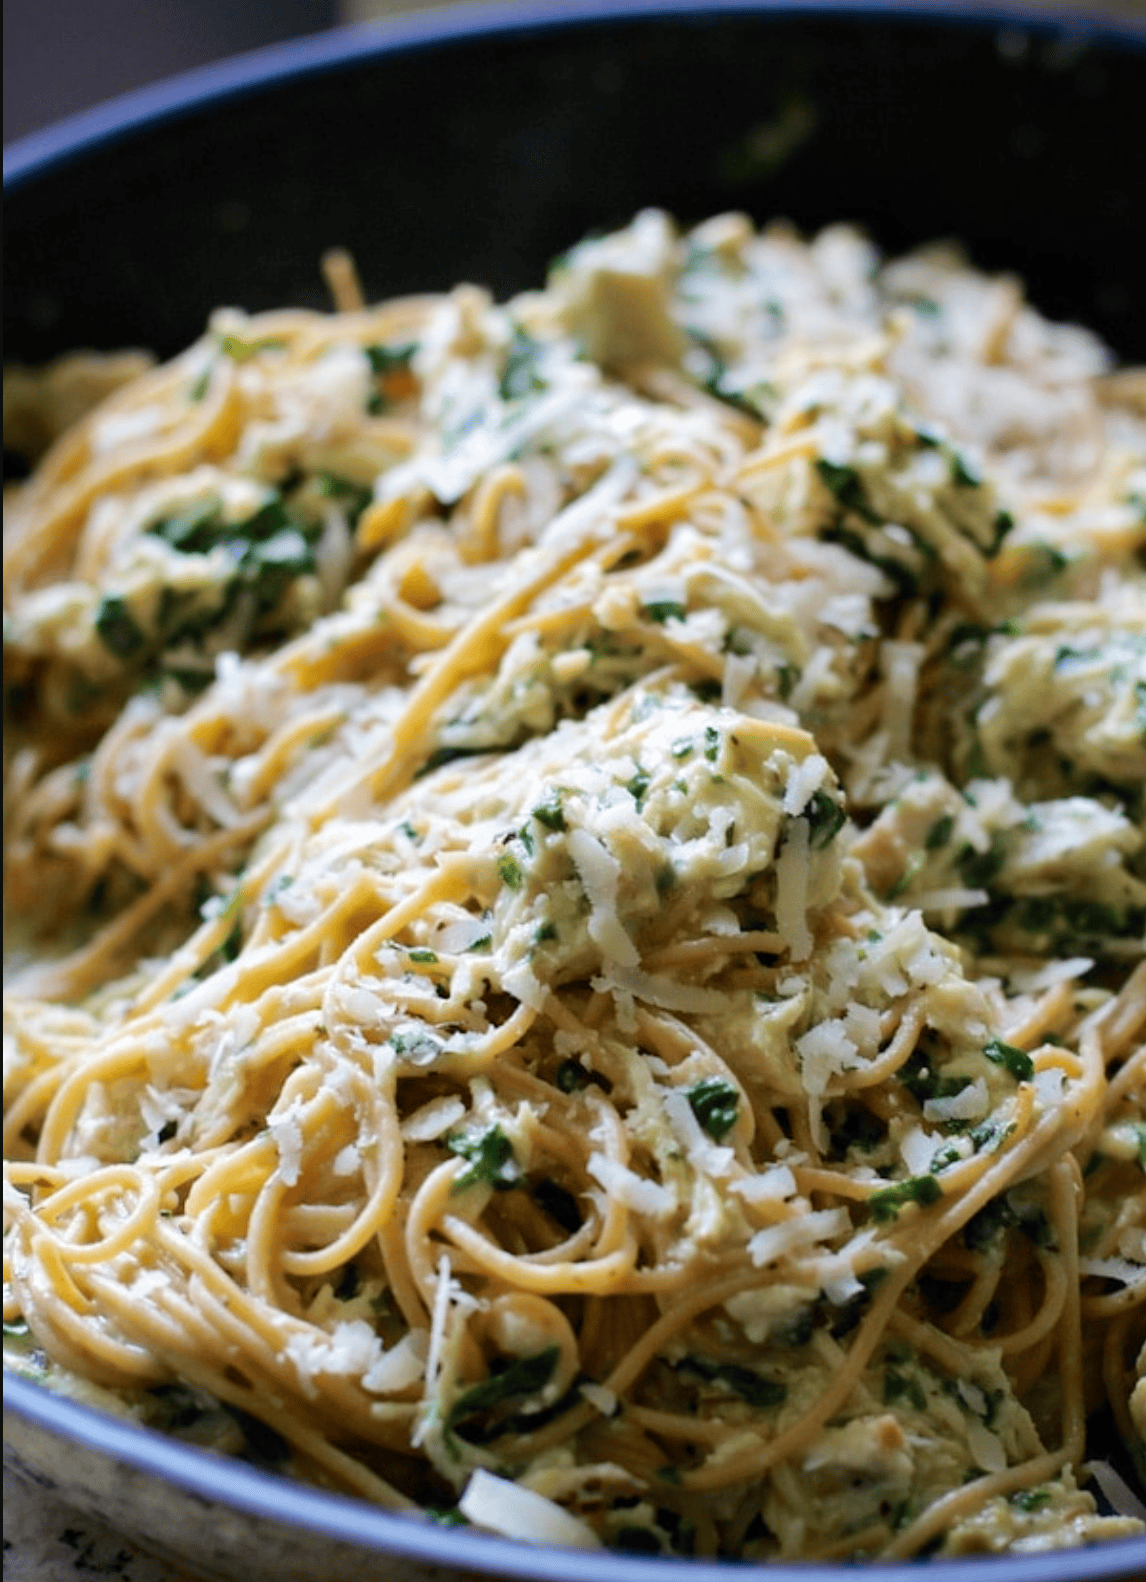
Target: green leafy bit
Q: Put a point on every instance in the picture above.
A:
(117, 628)
(755, 1388)
(521, 373)
(355, 496)
(550, 812)
(393, 359)
(939, 833)
(662, 610)
(510, 870)
(886, 1204)
(847, 486)
(962, 474)
(714, 1103)
(425, 956)
(523, 1377)
(825, 819)
(978, 869)
(491, 1157)
(418, 1046)
(446, 1516)
(899, 1386)
(1014, 1060)
(711, 743)
(390, 366)
(1003, 524)
(786, 678)
(638, 786)
(1030, 1499)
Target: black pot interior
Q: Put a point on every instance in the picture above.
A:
(480, 159)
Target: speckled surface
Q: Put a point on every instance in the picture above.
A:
(46, 1540)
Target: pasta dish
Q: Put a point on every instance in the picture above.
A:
(576, 896)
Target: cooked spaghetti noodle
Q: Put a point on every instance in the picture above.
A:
(580, 880)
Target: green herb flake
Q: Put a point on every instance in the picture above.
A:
(714, 1103)
(899, 1386)
(491, 1157)
(757, 1389)
(521, 373)
(550, 813)
(523, 1377)
(446, 1516)
(886, 1204)
(939, 833)
(117, 628)
(825, 819)
(510, 871)
(638, 787)
(662, 610)
(711, 743)
(1003, 524)
(426, 956)
(847, 486)
(1014, 1060)
(1030, 1499)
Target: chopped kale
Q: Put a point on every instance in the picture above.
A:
(1003, 524)
(714, 1103)
(661, 610)
(898, 1386)
(491, 1157)
(978, 869)
(393, 379)
(1030, 1499)
(446, 1516)
(524, 1376)
(521, 375)
(1016, 1061)
(939, 833)
(355, 496)
(753, 1387)
(117, 628)
(886, 1204)
(825, 819)
(847, 486)
(510, 870)
(962, 474)
(638, 787)
(549, 812)
(448, 755)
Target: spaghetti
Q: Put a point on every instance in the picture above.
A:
(576, 885)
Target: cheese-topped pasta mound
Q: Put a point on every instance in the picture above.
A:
(577, 889)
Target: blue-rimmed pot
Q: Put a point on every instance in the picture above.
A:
(475, 144)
